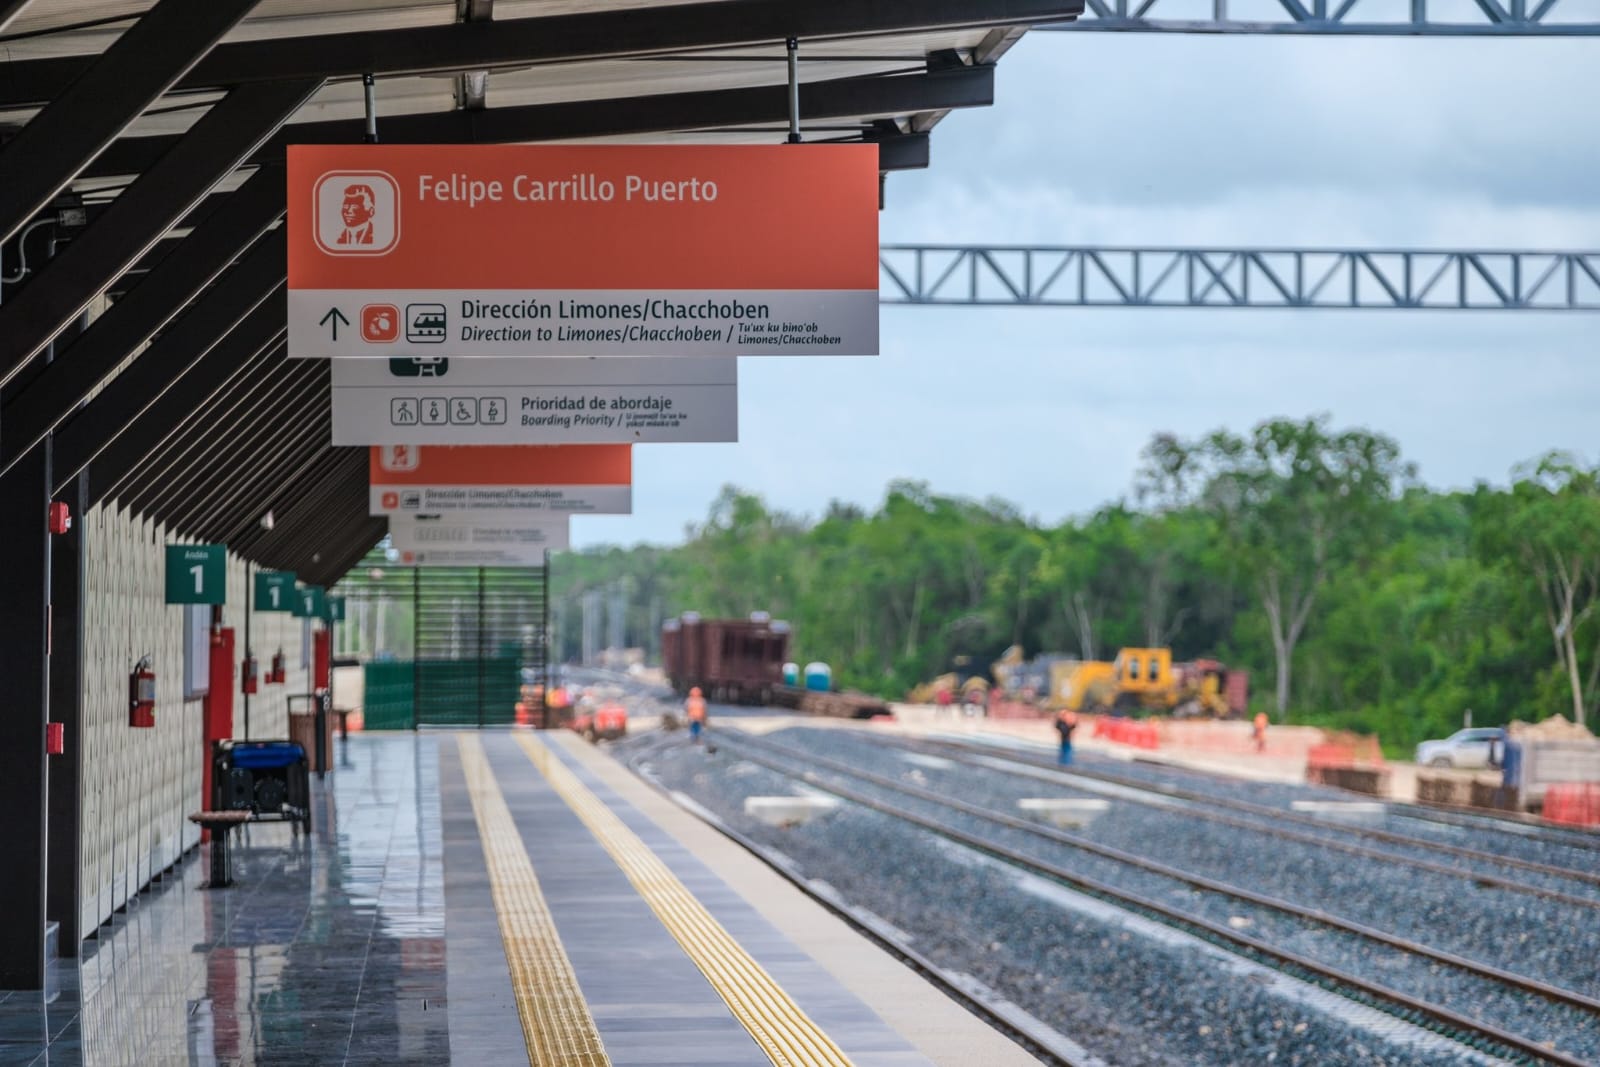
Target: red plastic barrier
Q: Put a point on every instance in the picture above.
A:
(1573, 803)
(1128, 732)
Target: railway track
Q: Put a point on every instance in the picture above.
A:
(1528, 826)
(1050, 1047)
(1266, 819)
(1579, 1011)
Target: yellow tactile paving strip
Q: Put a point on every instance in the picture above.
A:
(788, 1036)
(556, 1023)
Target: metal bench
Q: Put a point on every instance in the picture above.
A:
(219, 823)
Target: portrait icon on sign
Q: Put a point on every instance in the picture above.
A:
(399, 457)
(357, 213)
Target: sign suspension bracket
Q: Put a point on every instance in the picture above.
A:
(793, 44)
(369, 86)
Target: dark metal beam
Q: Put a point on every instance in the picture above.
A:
(175, 413)
(9, 10)
(228, 133)
(197, 260)
(616, 34)
(68, 573)
(109, 92)
(248, 288)
(276, 444)
(161, 478)
(24, 608)
(651, 113)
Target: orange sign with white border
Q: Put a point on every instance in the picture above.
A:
(535, 250)
(533, 481)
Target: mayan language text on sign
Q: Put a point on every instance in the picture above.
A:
(428, 251)
(533, 481)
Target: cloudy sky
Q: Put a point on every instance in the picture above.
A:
(1133, 139)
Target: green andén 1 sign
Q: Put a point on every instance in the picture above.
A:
(275, 591)
(309, 602)
(197, 574)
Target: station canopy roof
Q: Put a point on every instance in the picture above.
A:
(165, 123)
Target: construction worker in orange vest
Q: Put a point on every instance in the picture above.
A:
(695, 709)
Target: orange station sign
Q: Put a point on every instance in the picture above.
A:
(535, 482)
(443, 251)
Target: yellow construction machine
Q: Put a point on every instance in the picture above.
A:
(1146, 679)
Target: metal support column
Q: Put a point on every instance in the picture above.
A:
(24, 645)
(64, 869)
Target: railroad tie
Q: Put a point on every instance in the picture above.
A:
(785, 1033)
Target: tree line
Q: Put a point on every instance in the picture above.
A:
(1309, 555)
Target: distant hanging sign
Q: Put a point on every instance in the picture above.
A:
(483, 542)
(602, 250)
(539, 482)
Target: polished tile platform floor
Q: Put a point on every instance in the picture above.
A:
(378, 940)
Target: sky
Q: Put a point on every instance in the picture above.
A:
(1193, 140)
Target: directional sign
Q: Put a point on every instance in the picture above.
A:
(309, 602)
(527, 401)
(197, 574)
(333, 608)
(486, 542)
(594, 250)
(528, 481)
(333, 320)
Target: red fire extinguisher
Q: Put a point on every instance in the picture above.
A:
(279, 672)
(142, 695)
(248, 670)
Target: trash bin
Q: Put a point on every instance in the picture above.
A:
(303, 731)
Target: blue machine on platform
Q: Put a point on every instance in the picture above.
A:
(271, 779)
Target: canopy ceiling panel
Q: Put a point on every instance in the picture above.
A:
(540, 70)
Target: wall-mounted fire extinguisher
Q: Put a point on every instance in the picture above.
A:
(280, 671)
(248, 671)
(142, 695)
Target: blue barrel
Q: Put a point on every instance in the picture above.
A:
(791, 674)
(819, 676)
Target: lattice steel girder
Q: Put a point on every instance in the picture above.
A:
(1093, 276)
(228, 133)
(834, 98)
(616, 34)
(1413, 18)
(114, 88)
(241, 217)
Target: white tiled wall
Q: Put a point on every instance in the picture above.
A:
(140, 785)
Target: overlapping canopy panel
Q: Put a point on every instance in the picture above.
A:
(165, 124)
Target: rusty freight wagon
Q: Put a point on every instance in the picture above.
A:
(734, 661)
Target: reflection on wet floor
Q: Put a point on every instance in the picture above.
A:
(324, 951)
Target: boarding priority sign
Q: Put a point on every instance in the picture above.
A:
(448, 251)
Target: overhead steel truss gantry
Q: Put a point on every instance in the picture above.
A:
(1387, 18)
(1312, 279)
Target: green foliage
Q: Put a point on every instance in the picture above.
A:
(1296, 548)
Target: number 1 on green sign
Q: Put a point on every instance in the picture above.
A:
(198, 570)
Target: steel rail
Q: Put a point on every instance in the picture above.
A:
(1437, 1013)
(1280, 815)
(1530, 827)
